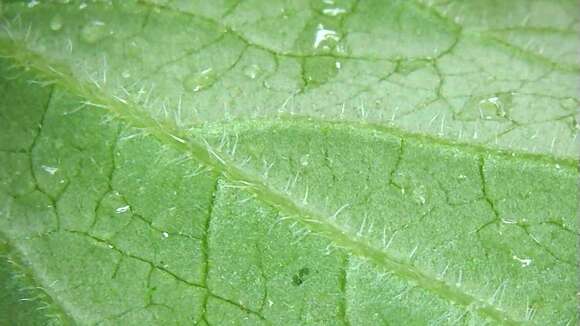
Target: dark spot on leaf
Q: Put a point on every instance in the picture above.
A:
(300, 277)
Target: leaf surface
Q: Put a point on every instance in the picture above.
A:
(289, 163)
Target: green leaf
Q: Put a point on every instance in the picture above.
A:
(287, 163)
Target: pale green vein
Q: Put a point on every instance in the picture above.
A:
(201, 151)
(56, 307)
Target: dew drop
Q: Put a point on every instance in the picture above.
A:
(325, 38)
(319, 70)
(333, 11)
(137, 48)
(305, 160)
(569, 103)
(252, 71)
(165, 235)
(419, 195)
(33, 3)
(200, 81)
(56, 23)
(83, 6)
(93, 31)
(122, 209)
(49, 169)
(125, 74)
(491, 107)
(525, 262)
(494, 107)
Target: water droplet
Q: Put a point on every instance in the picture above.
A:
(122, 209)
(137, 48)
(569, 103)
(82, 6)
(491, 107)
(33, 3)
(495, 107)
(325, 38)
(93, 32)
(125, 74)
(333, 11)
(252, 71)
(56, 23)
(49, 169)
(338, 65)
(525, 262)
(305, 160)
(200, 81)
(319, 70)
(420, 195)
(165, 235)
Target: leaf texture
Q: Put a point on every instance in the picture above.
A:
(215, 163)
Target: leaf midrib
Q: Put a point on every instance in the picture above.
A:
(200, 150)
